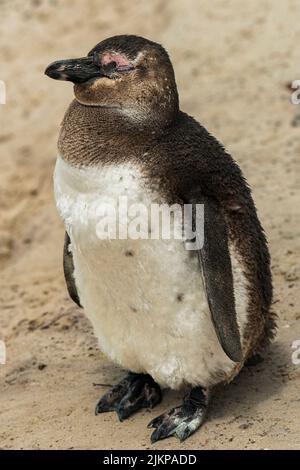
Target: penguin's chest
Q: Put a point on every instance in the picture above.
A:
(143, 295)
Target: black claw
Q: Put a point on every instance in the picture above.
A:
(102, 407)
(121, 414)
(151, 424)
(184, 437)
(98, 409)
(186, 433)
(156, 436)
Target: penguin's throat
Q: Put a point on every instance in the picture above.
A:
(90, 135)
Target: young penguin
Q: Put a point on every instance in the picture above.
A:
(170, 316)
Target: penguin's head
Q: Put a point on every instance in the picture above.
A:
(128, 74)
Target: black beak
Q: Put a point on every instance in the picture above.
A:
(74, 70)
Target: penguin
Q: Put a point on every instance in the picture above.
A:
(172, 317)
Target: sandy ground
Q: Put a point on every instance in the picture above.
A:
(233, 60)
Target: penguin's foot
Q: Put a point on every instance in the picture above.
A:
(183, 420)
(134, 392)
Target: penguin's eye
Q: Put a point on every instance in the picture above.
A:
(124, 68)
(111, 68)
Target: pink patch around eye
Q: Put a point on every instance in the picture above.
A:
(119, 59)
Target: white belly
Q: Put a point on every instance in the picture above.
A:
(145, 298)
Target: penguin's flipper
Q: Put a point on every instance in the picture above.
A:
(215, 263)
(69, 271)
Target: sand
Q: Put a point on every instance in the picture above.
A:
(233, 61)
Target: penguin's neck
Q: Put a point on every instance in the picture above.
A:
(96, 135)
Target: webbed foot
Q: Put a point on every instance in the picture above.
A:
(183, 420)
(134, 392)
